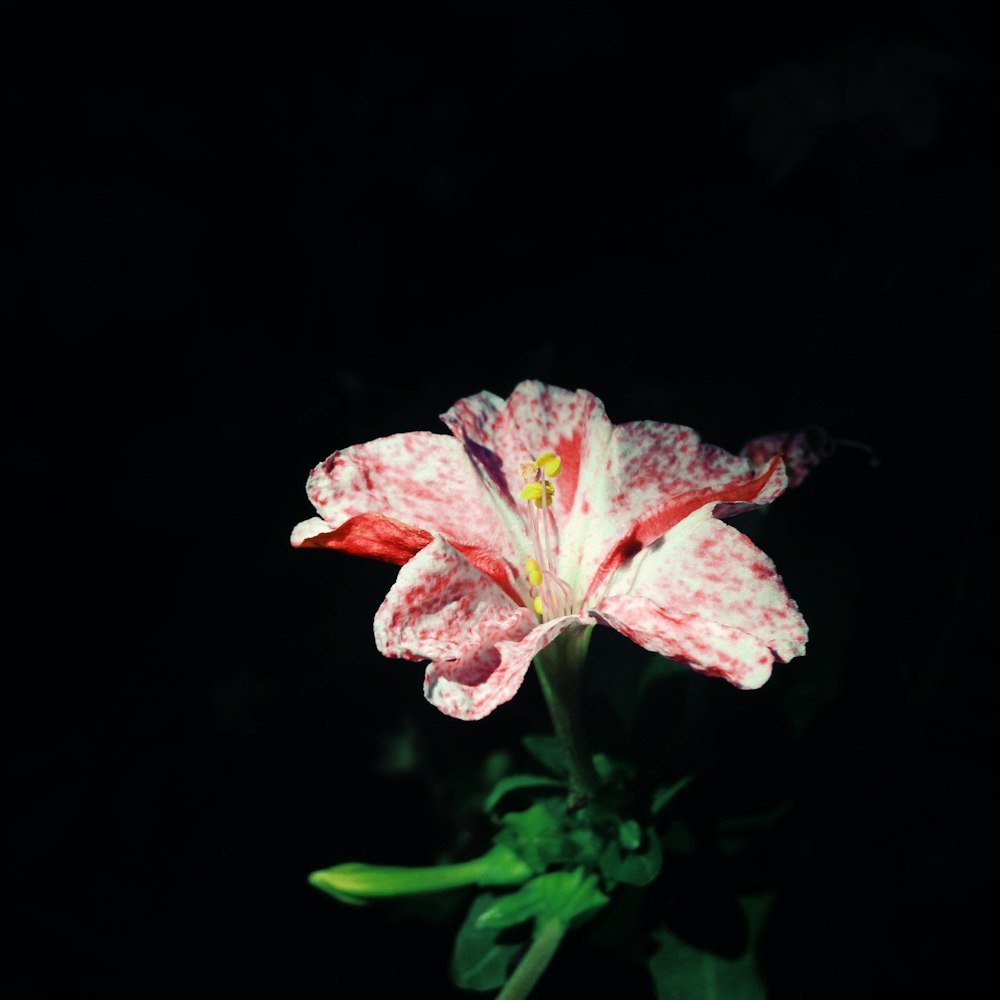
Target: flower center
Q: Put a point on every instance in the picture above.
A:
(551, 597)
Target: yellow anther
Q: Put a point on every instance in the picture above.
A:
(533, 492)
(537, 605)
(528, 471)
(549, 463)
(534, 572)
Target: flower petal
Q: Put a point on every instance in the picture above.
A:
(707, 595)
(657, 474)
(538, 418)
(387, 498)
(442, 608)
(485, 678)
(373, 535)
(708, 647)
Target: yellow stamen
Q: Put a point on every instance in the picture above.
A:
(537, 605)
(533, 492)
(534, 572)
(550, 463)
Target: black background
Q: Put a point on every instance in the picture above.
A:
(225, 264)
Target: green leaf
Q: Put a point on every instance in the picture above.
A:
(538, 835)
(679, 969)
(479, 961)
(514, 782)
(566, 896)
(663, 796)
(630, 867)
(629, 835)
(548, 752)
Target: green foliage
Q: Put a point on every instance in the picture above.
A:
(565, 896)
(515, 782)
(679, 969)
(546, 834)
(480, 961)
(687, 861)
(621, 863)
(662, 797)
(548, 752)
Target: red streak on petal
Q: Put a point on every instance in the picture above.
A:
(492, 565)
(374, 536)
(658, 522)
(569, 450)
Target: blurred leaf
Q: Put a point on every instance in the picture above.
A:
(633, 868)
(566, 896)
(479, 961)
(547, 751)
(625, 687)
(516, 781)
(539, 834)
(734, 834)
(663, 796)
(681, 970)
(630, 835)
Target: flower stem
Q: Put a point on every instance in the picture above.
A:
(559, 666)
(544, 944)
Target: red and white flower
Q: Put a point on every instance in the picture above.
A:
(537, 515)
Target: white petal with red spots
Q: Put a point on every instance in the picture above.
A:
(631, 533)
(473, 686)
(441, 606)
(420, 479)
(704, 591)
(480, 642)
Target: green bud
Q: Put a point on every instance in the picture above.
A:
(356, 883)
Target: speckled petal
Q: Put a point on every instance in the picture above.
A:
(704, 593)
(487, 677)
(500, 435)
(634, 533)
(441, 606)
(706, 646)
(385, 499)
(534, 419)
(658, 474)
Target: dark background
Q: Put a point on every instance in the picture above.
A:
(225, 264)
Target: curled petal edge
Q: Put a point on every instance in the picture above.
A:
(489, 676)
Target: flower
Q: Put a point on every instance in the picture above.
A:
(536, 517)
(801, 451)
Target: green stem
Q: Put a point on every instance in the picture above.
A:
(535, 960)
(559, 666)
